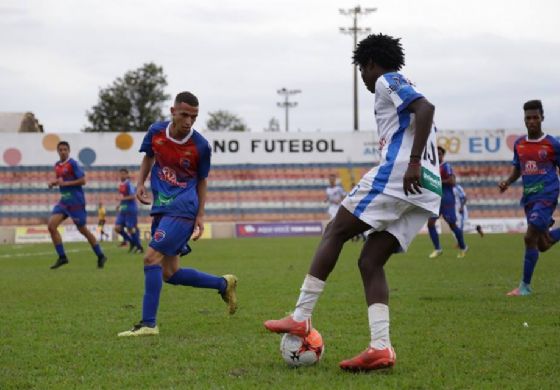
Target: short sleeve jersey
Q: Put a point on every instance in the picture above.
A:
(126, 189)
(538, 161)
(70, 170)
(179, 166)
(335, 194)
(396, 128)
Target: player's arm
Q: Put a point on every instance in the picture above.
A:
(145, 168)
(515, 174)
(423, 112)
(202, 191)
(78, 182)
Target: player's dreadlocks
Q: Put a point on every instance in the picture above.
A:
(384, 50)
(533, 105)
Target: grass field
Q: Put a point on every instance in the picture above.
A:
(451, 324)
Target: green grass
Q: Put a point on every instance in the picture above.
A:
(451, 323)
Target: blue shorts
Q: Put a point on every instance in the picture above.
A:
(170, 235)
(448, 212)
(129, 220)
(539, 214)
(75, 211)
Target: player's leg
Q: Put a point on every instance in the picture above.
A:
(434, 237)
(54, 221)
(134, 233)
(451, 218)
(119, 228)
(79, 217)
(343, 227)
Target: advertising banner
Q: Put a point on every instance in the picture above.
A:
(282, 229)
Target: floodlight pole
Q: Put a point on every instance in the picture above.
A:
(354, 31)
(286, 104)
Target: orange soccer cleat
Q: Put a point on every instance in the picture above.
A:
(370, 359)
(289, 325)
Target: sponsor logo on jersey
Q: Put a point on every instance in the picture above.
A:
(169, 175)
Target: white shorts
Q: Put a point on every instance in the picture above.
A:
(387, 213)
(333, 209)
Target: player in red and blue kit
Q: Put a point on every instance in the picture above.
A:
(70, 178)
(179, 160)
(128, 213)
(447, 210)
(536, 158)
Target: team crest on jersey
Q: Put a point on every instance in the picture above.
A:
(185, 163)
(159, 235)
(382, 142)
(543, 154)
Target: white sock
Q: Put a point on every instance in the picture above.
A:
(311, 289)
(378, 315)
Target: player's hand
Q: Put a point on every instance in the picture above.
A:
(142, 194)
(198, 228)
(53, 183)
(411, 179)
(503, 186)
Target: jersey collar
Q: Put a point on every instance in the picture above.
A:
(177, 141)
(535, 140)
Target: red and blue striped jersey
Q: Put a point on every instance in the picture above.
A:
(178, 167)
(125, 189)
(538, 161)
(70, 170)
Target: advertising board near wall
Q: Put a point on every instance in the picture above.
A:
(281, 229)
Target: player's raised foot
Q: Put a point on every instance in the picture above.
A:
(289, 325)
(521, 291)
(59, 262)
(101, 260)
(462, 252)
(230, 294)
(140, 329)
(370, 359)
(436, 253)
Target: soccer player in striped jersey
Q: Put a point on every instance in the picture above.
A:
(70, 178)
(536, 159)
(394, 200)
(128, 213)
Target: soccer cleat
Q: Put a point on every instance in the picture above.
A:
(59, 262)
(230, 294)
(462, 252)
(101, 260)
(139, 249)
(436, 253)
(370, 359)
(140, 329)
(522, 291)
(289, 325)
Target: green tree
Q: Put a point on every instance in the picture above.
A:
(132, 103)
(222, 120)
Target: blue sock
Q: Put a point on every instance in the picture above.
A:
(434, 236)
(194, 278)
(97, 249)
(459, 236)
(555, 234)
(125, 236)
(152, 288)
(531, 257)
(60, 250)
(136, 238)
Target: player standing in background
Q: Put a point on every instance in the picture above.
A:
(70, 178)
(335, 193)
(179, 160)
(394, 199)
(447, 210)
(462, 212)
(128, 213)
(536, 158)
(101, 215)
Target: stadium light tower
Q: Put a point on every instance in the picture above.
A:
(354, 13)
(286, 104)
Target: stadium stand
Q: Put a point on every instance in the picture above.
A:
(247, 192)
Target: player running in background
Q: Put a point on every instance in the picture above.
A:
(70, 178)
(335, 193)
(394, 199)
(128, 213)
(179, 160)
(462, 212)
(536, 158)
(101, 215)
(447, 210)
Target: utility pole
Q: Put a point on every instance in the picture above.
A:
(286, 104)
(355, 30)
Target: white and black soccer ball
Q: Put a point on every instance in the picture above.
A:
(302, 351)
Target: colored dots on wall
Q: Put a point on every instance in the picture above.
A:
(87, 156)
(50, 141)
(12, 157)
(124, 141)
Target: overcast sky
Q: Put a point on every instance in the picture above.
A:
(477, 61)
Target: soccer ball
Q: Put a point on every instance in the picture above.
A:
(302, 351)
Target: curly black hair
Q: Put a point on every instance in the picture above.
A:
(384, 50)
(533, 105)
